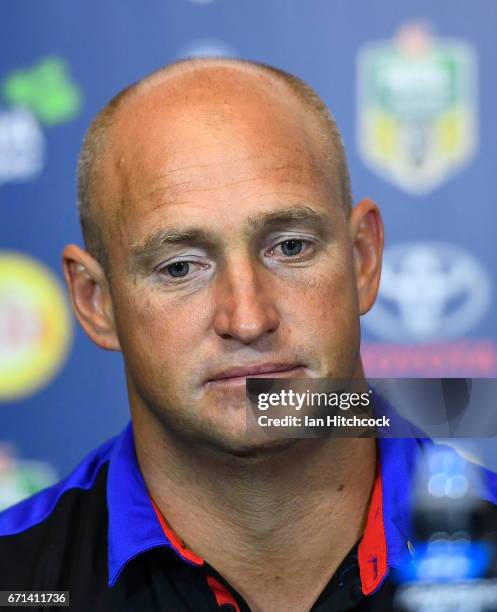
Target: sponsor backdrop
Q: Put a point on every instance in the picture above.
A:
(414, 93)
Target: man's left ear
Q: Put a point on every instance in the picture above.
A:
(366, 231)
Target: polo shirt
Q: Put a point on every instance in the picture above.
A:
(99, 535)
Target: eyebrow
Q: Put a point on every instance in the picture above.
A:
(301, 215)
(155, 242)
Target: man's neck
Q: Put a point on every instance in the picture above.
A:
(276, 526)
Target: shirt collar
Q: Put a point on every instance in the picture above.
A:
(133, 526)
(133, 523)
(384, 543)
(136, 526)
(388, 528)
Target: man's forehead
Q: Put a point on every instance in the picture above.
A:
(196, 128)
(213, 97)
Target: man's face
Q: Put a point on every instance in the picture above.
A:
(230, 251)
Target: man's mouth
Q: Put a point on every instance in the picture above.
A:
(237, 375)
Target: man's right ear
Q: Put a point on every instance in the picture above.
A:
(90, 296)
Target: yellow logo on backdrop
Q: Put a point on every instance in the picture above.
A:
(35, 325)
(417, 107)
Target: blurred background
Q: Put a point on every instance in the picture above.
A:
(414, 93)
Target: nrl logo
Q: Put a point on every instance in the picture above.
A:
(416, 108)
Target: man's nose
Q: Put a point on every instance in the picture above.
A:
(245, 310)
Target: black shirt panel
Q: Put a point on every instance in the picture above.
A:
(66, 551)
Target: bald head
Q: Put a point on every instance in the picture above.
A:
(218, 92)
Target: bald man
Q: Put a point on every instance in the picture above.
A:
(221, 243)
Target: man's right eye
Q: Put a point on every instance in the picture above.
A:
(181, 269)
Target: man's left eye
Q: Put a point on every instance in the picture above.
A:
(292, 247)
(178, 269)
(295, 248)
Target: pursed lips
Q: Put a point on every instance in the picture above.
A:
(238, 375)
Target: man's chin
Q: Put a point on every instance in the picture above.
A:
(254, 449)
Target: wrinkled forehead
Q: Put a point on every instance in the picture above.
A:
(190, 131)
